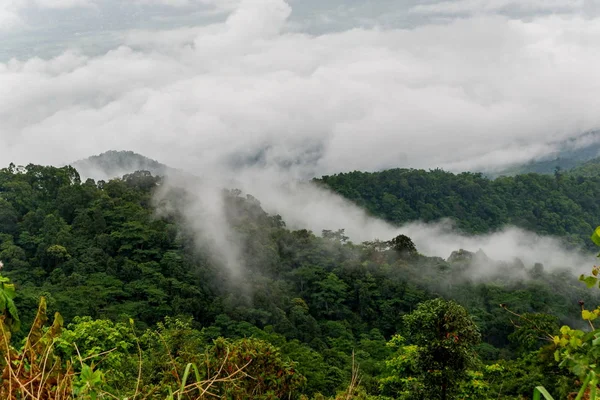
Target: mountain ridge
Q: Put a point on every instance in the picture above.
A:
(570, 154)
(116, 163)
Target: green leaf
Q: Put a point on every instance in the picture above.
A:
(588, 315)
(539, 390)
(590, 281)
(596, 236)
(186, 373)
(9, 289)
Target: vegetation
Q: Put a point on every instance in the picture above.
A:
(561, 204)
(589, 169)
(443, 350)
(147, 313)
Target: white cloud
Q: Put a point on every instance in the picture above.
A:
(307, 206)
(477, 92)
(9, 15)
(9, 19)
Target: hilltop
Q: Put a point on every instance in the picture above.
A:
(115, 164)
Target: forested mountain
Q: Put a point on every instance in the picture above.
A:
(115, 164)
(561, 204)
(570, 155)
(589, 168)
(313, 304)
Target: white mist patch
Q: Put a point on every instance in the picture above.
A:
(440, 239)
(308, 206)
(203, 210)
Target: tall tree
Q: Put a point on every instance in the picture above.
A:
(445, 336)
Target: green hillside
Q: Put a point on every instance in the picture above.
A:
(143, 302)
(563, 205)
(588, 169)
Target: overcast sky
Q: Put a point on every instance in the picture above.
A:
(322, 85)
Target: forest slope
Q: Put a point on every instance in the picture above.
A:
(100, 250)
(561, 205)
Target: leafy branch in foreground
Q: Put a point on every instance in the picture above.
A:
(245, 368)
(578, 350)
(574, 349)
(34, 371)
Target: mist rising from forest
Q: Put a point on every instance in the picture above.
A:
(201, 205)
(305, 205)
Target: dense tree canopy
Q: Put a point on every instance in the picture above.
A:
(101, 255)
(560, 204)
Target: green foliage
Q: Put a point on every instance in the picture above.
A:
(265, 374)
(401, 374)
(540, 392)
(590, 168)
(578, 350)
(89, 383)
(566, 207)
(532, 331)
(445, 336)
(596, 236)
(104, 252)
(9, 317)
(103, 344)
(478, 384)
(166, 352)
(403, 245)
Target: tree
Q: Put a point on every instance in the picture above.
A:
(337, 236)
(107, 344)
(564, 205)
(330, 295)
(403, 245)
(8, 217)
(445, 336)
(400, 371)
(579, 350)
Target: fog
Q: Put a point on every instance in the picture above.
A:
(307, 206)
(304, 205)
(474, 91)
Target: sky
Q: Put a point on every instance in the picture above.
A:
(311, 87)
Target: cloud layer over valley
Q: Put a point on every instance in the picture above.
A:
(473, 92)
